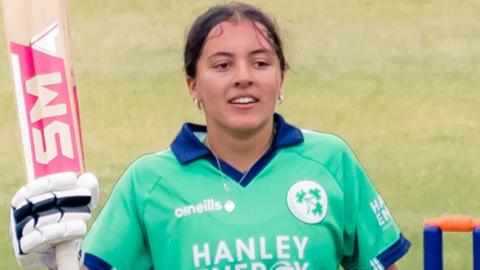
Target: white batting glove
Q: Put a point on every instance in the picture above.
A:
(48, 211)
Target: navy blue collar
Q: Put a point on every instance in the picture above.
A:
(187, 147)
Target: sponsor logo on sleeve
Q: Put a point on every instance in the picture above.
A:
(381, 212)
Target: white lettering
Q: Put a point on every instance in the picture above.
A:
(197, 255)
(207, 205)
(302, 267)
(374, 205)
(386, 214)
(223, 253)
(44, 156)
(283, 247)
(380, 210)
(37, 86)
(249, 253)
(242, 248)
(179, 212)
(380, 219)
(263, 249)
(189, 210)
(300, 246)
(218, 205)
(261, 266)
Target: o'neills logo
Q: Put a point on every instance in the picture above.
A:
(208, 205)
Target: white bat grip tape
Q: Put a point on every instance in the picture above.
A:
(66, 254)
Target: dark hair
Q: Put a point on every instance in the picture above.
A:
(217, 14)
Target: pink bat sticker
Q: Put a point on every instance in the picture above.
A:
(46, 112)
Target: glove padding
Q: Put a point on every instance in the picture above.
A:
(48, 211)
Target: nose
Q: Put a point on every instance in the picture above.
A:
(243, 77)
(243, 83)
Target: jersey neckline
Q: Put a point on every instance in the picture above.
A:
(187, 147)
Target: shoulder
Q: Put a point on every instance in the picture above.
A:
(151, 162)
(319, 143)
(328, 150)
(147, 170)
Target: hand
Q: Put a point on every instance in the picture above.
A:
(48, 211)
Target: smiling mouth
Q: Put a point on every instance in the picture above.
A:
(243, 100)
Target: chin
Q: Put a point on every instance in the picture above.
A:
(248, 123)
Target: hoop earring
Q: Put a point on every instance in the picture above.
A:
(280, 100)
(198, 103)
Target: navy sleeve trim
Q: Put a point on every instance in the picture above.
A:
(93, 262)
(394, 252)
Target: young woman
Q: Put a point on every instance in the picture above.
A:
(248, 190)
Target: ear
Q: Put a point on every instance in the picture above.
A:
(282, 78)
(192, 87)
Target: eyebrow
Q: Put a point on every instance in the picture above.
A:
(262, 51)
(227, 54)
(220, 54)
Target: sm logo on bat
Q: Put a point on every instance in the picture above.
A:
(47, 107)
(43, 109)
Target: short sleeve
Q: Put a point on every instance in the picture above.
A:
(372, 238)
(116, 239)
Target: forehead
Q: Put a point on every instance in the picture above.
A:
(231, 35)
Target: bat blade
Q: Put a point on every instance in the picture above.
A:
(40, 51)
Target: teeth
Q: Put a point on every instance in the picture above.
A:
(243, 100)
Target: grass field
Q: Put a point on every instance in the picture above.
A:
(398, 80)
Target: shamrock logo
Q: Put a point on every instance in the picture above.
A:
(308, 201)
(301, 196)
(311, 198)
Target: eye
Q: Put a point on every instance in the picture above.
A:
(261, 64)
(222, 66)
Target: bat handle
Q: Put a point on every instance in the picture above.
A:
(66, 254)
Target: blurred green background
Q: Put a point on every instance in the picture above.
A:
(398, 80)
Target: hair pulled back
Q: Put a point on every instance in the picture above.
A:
(226, 12)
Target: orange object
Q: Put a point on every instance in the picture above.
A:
(454, 223)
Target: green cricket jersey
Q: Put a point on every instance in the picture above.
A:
(306, 204)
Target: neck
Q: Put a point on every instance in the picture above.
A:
(240, 149)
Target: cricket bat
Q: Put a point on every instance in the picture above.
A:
(38, 38)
